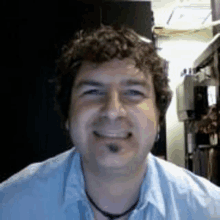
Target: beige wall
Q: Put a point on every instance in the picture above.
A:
(180, 51)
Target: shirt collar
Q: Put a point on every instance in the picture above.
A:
(150, 190)
(75, 184)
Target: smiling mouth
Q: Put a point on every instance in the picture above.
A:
(114, 136)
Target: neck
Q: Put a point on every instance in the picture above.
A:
(112, 192)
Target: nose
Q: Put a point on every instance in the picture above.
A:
(113, 107)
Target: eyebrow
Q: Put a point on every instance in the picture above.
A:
(129, 82)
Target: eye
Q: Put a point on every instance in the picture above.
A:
(92, 92)
(98, 92)
(135, 92)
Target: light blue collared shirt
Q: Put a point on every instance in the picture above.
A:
(54, 190)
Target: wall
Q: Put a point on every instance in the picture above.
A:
(180, 51)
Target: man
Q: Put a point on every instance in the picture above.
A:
(113, 94)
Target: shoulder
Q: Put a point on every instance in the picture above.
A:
(35, 180)
(188, 189)
(184, 178)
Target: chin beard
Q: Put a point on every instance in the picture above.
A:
(113, 148)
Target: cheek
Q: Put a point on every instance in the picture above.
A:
(146, 130)
(82, 116)
(146, 122)
(148, 114)
(76, 111)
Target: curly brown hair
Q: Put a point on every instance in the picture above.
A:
(104, 44)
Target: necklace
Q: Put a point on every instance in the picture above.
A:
(109, 215)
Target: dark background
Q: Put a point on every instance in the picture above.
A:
(32, 33)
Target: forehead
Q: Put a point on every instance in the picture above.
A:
(113, 71)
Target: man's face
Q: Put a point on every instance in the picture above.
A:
(106, 103)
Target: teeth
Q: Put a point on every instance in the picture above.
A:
(112, 135)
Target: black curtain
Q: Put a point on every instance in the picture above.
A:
(31, 36)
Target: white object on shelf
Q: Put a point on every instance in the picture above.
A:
(213, 138)
(191, 142)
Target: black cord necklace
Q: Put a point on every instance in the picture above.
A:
(111, 216)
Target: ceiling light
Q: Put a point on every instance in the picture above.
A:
(191, 15)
